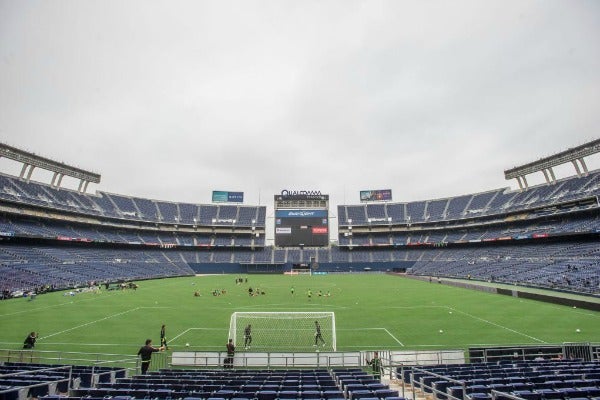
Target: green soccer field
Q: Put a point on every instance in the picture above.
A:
(372, 311)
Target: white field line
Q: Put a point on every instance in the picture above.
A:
(498, 325)
(394, 337)
(194, 329)
(373, 329)
(59, 304)
(288, 307)
(90, 323)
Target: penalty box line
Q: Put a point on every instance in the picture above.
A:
(94, 322)
(90, 323)
(377, 329)
(195, 329)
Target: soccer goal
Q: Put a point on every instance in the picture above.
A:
(283, 331)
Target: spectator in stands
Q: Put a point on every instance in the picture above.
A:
(29, 342)
(230, 353)
(163, 337)
(375, 364)
(146, 354)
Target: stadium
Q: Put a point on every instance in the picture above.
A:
(299, 200)
(483, 295)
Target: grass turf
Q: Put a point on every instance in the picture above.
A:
(372, 311)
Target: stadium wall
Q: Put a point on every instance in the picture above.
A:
(337, 267)
(554, 299)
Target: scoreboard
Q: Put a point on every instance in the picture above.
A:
(301, 220)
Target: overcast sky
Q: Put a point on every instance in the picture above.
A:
(173, 99)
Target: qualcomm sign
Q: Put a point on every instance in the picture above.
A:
(286, 192)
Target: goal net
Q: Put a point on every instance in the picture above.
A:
(283, 331)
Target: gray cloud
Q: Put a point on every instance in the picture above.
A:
(171, 100)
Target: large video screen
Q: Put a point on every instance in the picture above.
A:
(301, 228)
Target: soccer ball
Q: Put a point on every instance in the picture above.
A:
(441, 331)
(187, 345)
(577, 330)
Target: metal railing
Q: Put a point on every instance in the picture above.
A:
(50, 385)
(125, 361)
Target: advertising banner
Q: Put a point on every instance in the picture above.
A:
(376, 195)
(220, 196)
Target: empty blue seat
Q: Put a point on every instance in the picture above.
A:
(360, 394)
(478, 389)
(455, 391)
(288, 394)
(591, 391)
(224, 393)
(332, 394)
(266, 395)
(479, 396)
(528, 394)
(571, 392)
(377, 386)
(549, 394)
(384, 393)
(310, 394)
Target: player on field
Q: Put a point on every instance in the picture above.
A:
(247, 336)
(318, 335)
(163, 337)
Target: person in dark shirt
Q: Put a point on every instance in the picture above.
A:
(375, 364)
(247, 336)
(318, 336)
(230, 353)
(146, 354)
(163, 337)
(29, 342)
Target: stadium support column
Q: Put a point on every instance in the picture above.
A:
(83, 184)
(549, 175)
(576, 167)
(24, 170)
(53, 181)
(585, 168)
(545, 172)
(57, 179)
(31, 168)
(552, 174)
(522, 182)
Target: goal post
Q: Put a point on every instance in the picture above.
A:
(283, 331)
